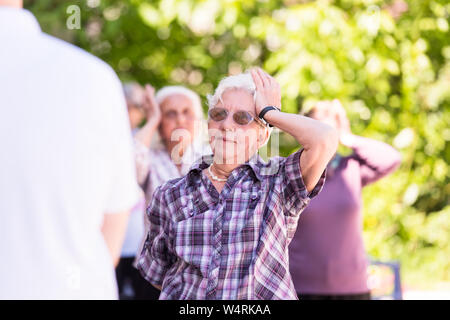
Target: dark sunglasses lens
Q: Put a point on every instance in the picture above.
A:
(242, 117)
(218, 114)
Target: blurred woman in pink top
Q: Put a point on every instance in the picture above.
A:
(327, 255)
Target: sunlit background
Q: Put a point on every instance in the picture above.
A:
(387, 61)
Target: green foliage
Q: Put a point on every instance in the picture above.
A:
(392, 74)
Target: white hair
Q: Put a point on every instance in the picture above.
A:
(165, 92)
(238, 81)
(201, 134)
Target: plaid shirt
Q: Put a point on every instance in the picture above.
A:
(232, 245)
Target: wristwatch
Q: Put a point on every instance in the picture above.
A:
(264, 111)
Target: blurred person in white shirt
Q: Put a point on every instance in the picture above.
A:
(68, 178)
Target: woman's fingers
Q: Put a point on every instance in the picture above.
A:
(269, 82)
(269, 79)
(257, 79)
(150, 96)
(151, 106)
(149, 90)
(268, 89)
(265, 80)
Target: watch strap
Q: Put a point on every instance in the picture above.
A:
(264, 111)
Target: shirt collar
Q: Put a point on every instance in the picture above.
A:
(255, 163)
(17, 22)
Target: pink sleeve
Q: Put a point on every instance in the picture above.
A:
(377, 159)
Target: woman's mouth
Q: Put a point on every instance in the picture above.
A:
(228, 140)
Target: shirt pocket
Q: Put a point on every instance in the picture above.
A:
(242, 205)
(242, 219)
(193, 239)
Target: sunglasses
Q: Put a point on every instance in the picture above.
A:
(241, 117)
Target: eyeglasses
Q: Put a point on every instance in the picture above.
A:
(241, 117)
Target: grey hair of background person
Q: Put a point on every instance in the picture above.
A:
(168, 91)
(129, 90)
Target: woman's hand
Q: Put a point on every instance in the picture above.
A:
(150, 105)
(153, 113)
(268, 91)
(343, 124)
(318, 139)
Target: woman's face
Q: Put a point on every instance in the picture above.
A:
(135, 114)
(231, 142)
(177, 113)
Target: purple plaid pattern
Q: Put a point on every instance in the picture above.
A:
(233, 245)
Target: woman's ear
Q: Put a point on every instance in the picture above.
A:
(263, 136)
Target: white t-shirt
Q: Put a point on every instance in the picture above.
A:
(65, 160)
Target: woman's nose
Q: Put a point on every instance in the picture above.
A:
(181, 119)
(228, 123)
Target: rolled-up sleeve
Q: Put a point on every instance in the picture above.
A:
(295, 196)
(156, 258)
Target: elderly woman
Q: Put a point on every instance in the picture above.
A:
(222, 231)
(327, 256)
(160, 156)
(171, 140)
